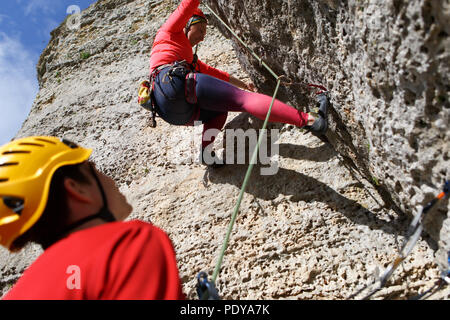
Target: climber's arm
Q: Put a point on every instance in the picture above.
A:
(178, 19)
(225, 76)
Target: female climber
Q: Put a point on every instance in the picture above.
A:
(186, 90)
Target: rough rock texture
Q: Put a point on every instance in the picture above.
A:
(387, 66)
(319, 228)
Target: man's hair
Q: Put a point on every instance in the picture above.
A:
(47, 230)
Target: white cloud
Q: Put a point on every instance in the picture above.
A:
(45, 6)
(18, 86)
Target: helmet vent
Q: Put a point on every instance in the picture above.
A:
(45, 140)
(8, 164)
(70, 144)
(31, 144)
(3, 179)
(15, 204)
(15, 152)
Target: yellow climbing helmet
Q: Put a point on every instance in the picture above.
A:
(27, 166)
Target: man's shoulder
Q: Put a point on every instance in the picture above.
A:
(136, 228)
(106, 234)
(132, 226)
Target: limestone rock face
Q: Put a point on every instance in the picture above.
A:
(331, 217)
(386, 65)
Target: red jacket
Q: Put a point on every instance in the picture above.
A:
(114, 261)
(171, 43)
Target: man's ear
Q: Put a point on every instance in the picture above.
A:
(77, 190)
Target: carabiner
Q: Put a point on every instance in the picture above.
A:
(206, 289)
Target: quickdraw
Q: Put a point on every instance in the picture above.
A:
(413, 234)
(206, 289)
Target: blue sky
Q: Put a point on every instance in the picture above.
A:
(25, 27)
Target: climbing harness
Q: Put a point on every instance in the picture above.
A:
(191, 80)
(412, 236)
(180, 69)
(186, 71)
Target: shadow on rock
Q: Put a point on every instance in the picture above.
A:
(300, 187)
(323, 153)
(244, 121)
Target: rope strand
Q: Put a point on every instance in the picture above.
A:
(255, 152)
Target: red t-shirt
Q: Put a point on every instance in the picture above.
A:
(171, 43)
(120, 260)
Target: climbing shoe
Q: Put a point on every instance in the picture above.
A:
(211, 160)
(320, 125)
